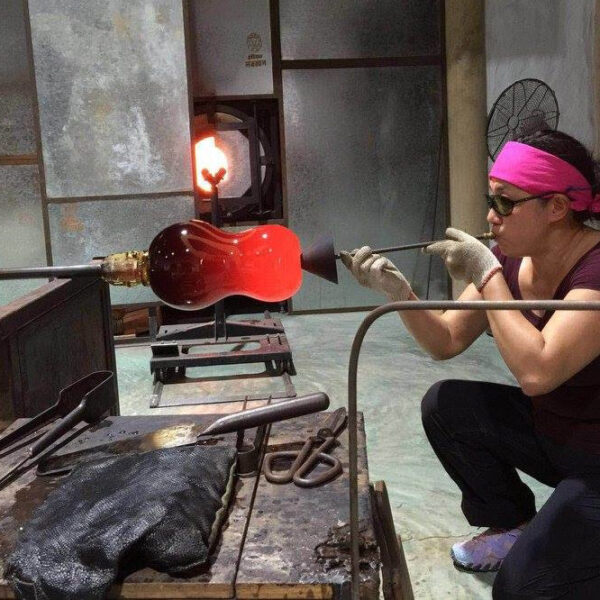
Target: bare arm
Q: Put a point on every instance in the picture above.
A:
(441, 335)
(543, 360)
(444, 335)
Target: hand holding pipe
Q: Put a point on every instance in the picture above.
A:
(130, 268)
(484, 236)
(320, 258)
(150, 268)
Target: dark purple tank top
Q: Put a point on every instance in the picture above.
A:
(569, 414)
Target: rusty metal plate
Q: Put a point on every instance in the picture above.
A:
(112, 92)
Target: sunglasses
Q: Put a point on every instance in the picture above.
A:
(504, 206)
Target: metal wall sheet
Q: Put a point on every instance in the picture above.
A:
(21, 227)
(21, 224)
(313, 29)
(17, 134)
(112, 92)
(232, 47)
(81, 230)
(551, 41)
(362, 152)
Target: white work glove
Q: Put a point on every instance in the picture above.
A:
(377, 272)
(466, 257)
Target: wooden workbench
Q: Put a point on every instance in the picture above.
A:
(279, 541)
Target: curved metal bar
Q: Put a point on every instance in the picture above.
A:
(494, 305)
(352, 383)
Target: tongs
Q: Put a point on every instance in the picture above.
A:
(88, 399)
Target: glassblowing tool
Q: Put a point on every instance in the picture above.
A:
(68, 399)
(193, 265)
(304, 461)
(484, 236)
(189, 433)
(87, 400)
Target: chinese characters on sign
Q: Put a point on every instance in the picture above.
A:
(255, 60)
(254, 43)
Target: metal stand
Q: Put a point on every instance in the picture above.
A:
(171, 352)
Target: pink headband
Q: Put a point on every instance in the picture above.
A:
(538, 172)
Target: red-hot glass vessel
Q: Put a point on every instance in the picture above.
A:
(193, 265)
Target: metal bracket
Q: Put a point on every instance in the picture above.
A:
(171, 355)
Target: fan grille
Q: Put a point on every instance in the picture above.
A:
(523, 107)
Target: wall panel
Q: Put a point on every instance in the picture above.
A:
(112, 93)
(21, 227)
(16, 113)
(551, 41)
(312, 29)
(232, 47)
(21, 222)
(363, 152)
(82, 230)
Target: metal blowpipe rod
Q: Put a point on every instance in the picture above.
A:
(60, 272)
(484, 236)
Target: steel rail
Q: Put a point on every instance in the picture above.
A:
(353, 376)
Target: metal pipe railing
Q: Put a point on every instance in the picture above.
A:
(352, 383)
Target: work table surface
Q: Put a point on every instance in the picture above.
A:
(277, 541)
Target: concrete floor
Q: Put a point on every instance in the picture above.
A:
(393, 376)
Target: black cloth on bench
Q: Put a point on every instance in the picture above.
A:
(160, 509)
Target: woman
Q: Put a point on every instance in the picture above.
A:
(542, 189)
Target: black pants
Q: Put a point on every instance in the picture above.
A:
(482, 432)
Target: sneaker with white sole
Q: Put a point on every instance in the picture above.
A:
(486, 551)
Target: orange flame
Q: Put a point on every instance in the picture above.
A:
(208, 156)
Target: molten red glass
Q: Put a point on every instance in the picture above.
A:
(193, 265)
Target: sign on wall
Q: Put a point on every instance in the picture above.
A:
(232, 47)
